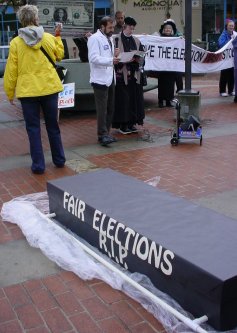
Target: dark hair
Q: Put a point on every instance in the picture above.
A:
(130, 21)
(105, 20)
(172, 24)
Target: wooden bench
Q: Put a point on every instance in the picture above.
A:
(79, 72)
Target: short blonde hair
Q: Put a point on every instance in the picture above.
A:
(28, 15)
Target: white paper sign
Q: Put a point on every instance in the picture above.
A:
(66, 98)
(128, 56)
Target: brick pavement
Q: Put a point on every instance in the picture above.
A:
(62, 302)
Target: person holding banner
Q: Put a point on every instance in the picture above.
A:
(227, 75)
(31, 77)
(166, 79)
(235, 67)
(179, 75)
(129, 101)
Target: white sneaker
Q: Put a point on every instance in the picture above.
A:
(232, 94)
(224, 94)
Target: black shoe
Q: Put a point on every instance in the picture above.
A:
(105, 140)
(110, 137)
(38, 172)
(125, 130)
(133, 129)
(168, 103)
(60, 165)
(235, 99)
(161, 105)
(113, 139)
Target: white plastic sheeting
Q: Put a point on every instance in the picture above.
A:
(28, 212)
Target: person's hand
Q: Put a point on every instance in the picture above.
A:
(11, 101)
(116, 52)
(58, 29)
(88, 34)
(115, 60)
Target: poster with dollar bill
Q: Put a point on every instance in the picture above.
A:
(72, 14)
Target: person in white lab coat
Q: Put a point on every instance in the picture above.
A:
(102, 57)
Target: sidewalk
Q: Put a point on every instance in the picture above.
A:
(36, 296)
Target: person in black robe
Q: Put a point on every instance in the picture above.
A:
(129, 101)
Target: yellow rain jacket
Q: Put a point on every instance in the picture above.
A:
(28, 72)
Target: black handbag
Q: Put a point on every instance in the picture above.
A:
(59, 69)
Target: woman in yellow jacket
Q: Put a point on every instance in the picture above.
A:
(30, 77)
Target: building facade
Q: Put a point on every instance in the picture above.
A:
(208, 16)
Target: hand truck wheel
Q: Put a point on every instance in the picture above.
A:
(174, 141)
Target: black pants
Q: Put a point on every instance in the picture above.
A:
(227, 79)
(166, 82)
(179, 81)
(104, 103)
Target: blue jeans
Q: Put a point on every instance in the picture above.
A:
(31, 107)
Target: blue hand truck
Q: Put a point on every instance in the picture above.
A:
(191, 130)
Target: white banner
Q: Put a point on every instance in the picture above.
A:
(168, 54)
(66, 98)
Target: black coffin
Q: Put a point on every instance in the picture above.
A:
(186, 250)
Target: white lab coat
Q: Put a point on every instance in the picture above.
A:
(101, 59)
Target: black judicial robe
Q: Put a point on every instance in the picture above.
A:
(129, 101)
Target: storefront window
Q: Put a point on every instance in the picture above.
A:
(102, 8)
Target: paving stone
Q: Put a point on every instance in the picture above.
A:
(85, 324)
(32, 285)
(126, 313)
(112, 325)
(68, 303)
(96, 308)
(17, 295)
(56, 321)
(143, 328)
(55, 284)
(80, 289)
(11, 327)
(43, 299)
(28, 316)
(6, 312)
(107, 294)
(41, 329)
